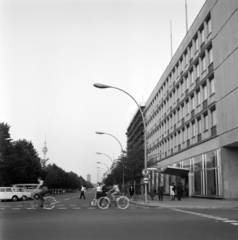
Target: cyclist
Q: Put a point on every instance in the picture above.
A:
(114, 191)
(44, 190)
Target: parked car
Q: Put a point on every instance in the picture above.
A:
(25, 194)
(8, 193)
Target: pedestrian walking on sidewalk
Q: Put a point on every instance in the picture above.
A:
(172, 191)
(161, 191)
(131, 191)
(152, 193)
(82, 192)
(179, 191)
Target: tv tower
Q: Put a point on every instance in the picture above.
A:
(45, 149)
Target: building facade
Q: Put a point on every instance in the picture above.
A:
(192, 113)
(135, 141)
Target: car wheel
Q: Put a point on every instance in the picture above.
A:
(14, 198)
(24, 198)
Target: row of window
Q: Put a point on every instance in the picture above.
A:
(192, 105)
(193, 132)
(199, 66)
(184, 86)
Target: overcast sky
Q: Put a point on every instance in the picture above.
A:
(53, 51)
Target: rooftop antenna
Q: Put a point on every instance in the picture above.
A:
(171, 38)
(186, 16)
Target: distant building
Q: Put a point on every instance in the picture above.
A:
(89, 178)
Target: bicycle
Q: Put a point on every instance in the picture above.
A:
(122, 202)
(33, 203)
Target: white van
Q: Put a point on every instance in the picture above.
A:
(8, 193)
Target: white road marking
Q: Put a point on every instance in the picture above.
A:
(67, 199)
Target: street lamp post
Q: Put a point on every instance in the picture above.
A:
(123, 184)
(103, 86)
(105, 165)
(105, 155)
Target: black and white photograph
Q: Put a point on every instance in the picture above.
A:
(118, 119)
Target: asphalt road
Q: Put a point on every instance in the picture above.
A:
(76, 219)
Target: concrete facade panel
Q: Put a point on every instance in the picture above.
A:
(229, 158)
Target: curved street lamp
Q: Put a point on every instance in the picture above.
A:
(105, 165)
(111, 136)
(103, 86)
(105, 155)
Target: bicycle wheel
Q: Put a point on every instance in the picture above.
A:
(123, 202)
(49, 203)
(103, 202)
(29, 203)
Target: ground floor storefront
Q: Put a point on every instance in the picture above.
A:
(210, 174)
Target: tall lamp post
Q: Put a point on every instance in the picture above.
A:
(105, 155)
(101, 133)
(103, 86)
(105, 165)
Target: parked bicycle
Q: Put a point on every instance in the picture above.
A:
(33, 203)
(122, 202)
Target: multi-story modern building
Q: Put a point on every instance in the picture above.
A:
(192, 113)
(135, 140)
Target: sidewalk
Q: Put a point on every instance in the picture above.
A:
(187, 202)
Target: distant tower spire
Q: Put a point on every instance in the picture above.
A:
(45, 149)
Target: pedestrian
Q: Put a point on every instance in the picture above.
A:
(131, 191)
(82, 192)
(99, 191)
(172, 191)
(152, 193)
(104, 190)
(161, 191)
(182, 189)
(179, 191)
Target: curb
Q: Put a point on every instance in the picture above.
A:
(184, 207)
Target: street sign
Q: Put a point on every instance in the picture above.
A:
(145, 180)
(145, 172)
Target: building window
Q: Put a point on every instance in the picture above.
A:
(193, 102)
(209, 26)
(193, 129)
(197, 70)
(198, 179)
(213, 118)
(196, 43)
(198, 98)
(192, 77)
(199, 125)
(210, 56)
(203, 63)
(202, 36)
(211, 174)
(212, 86)
(205, 92)
(188, 107)
(205, 122)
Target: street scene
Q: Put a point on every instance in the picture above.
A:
(73, 218)
(118, 119)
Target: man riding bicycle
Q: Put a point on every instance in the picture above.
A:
(44, 190)
(114, 191)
